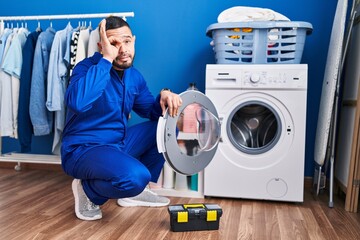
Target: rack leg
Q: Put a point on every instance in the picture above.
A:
(17, 167)
(317, 180)
(331, 191)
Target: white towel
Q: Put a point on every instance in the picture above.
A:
(248, 14)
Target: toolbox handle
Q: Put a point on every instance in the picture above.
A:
(186, 206)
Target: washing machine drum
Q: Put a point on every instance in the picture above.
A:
(254, 127)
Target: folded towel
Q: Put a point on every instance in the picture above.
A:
(248, 14)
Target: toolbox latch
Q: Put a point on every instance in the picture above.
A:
(211, 216)
(182, 217)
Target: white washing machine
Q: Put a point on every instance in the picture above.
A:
(247, 132)
(262, 113)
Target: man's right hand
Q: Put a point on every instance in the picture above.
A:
(109, 51)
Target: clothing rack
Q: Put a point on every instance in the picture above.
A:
(44, 158)
(124, 15)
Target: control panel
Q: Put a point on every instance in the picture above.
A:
(267, 76)
(273, 79)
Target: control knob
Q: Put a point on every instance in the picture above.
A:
(255, 78)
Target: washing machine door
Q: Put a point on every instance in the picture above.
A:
(189, 141)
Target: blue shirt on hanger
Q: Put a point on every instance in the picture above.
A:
(25, 128)
(41, 118)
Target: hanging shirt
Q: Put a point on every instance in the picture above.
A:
(41, 117)
(13, 60)
(82, 45)
(58, 77)
(93, 41)
(5, 94)
(68, 51)
(99, 103)
(25, 128)
(3, 38)
(73, 49)
(12, 65)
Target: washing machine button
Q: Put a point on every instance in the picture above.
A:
(255, 78)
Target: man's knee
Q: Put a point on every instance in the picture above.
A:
(133, 184)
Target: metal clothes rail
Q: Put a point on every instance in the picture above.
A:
(63, 16)
(44, 158)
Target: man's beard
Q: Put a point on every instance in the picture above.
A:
(124, 65)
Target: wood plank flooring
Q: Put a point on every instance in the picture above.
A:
(38, 204)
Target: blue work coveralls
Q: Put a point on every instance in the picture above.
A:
(111, 159)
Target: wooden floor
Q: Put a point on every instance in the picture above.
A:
(38, 204)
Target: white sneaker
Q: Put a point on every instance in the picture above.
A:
(145, 199)
(84, 208)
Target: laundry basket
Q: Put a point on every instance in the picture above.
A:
(258, 42)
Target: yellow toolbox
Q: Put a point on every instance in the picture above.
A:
(194, 217)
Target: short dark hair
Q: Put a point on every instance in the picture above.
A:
(114, 22)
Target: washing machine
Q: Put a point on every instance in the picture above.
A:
(262, 111)
(247, 133)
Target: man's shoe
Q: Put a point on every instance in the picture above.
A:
(145, 199)
(84, 208)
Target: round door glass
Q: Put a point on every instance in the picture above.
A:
(198, 130)
(254, 127)
(188, 141)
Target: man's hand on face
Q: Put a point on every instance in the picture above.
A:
(109, 50)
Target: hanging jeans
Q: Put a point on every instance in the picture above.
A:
(109, 172)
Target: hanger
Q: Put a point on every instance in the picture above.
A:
(38, 29)
(90, 27)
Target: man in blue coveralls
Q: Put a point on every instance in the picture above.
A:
(108, 159)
